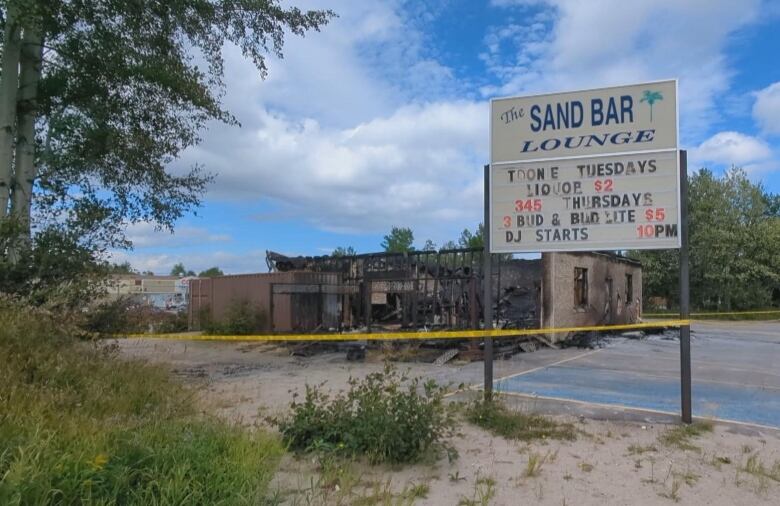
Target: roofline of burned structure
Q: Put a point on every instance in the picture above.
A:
(618, 257)
(278, 262)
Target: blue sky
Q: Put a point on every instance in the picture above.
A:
(381, 119)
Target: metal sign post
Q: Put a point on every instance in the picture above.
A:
(488, 290)
(685, 311)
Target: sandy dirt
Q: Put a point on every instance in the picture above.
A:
(246, 382)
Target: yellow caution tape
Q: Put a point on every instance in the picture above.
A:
(448, 334)
(733, 313)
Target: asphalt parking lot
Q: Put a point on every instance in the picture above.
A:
(736, 373)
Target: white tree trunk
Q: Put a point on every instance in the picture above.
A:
(9, 84)
(25, 170)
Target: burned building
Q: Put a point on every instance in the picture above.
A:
(433, 290)
(590, 289)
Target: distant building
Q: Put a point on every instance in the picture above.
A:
(168, 293)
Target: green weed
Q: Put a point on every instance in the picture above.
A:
(495, 417)
(689, 477)
(757, 468)
(680, 437)
(674, 490)
(241, 318)
(386, 417)
(382, 494)
(484, 491)
(585, 467)
(718, 461)
(639, 449)
(534, 465)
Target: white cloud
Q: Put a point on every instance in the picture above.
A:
(733, 148)
(766, 109)
(353, 130)
(144, 235)
(409, 168)
(231, 262)
(608, 42)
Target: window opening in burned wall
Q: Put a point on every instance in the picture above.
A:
(580, 288)
(629, 288)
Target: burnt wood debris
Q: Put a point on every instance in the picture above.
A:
(429, 290)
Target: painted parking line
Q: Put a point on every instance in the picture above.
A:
(541, 367)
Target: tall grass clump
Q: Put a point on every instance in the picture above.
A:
(241, 318)
(386, 417)
(680, 437)
(79, 426)
(496, 417)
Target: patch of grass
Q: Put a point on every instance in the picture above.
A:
(534, 465)
(585, 467)
(336, 474)
(417, 491)
(673, 492)
(756, 467)
(651, 479)
(386, 417)
(379, 494)
(680, 437)
(335, 481)
(456, 477)
(688, 477)
(484, 491)
(79, 426)
(760, 314)
(382, 494)
(498, 419)
(639, 449)
(718, 461)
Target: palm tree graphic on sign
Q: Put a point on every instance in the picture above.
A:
(651, 97)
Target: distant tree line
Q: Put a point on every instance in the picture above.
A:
(401, 239)
(734, 238)
(181, 271)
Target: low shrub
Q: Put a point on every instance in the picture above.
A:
(386, 417)
(128, 315)
(496, 417)
(681, 436)
(242, 318)
(79, 426)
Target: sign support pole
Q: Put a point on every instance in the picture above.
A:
(685, 311)
(487, 284)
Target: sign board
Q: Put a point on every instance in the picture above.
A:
(587, 170)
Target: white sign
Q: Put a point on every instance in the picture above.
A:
(582, 171)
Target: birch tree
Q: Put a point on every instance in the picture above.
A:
(99, 97)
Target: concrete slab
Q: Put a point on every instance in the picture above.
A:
(736, 373)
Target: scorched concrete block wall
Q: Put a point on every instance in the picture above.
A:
(607, 300)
